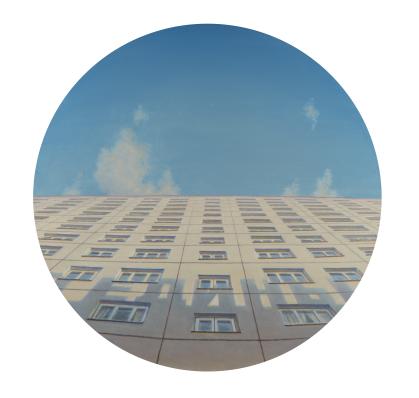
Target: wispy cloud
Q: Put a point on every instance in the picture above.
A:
(292, 190)
(324, 185)
(123, 169)
(311, 113)
(74, 188)
(139, 115)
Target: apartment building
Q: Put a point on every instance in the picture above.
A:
(206, 283)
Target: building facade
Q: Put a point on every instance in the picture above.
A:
(206, 283)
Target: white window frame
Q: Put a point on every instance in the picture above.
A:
(82, 272)
(49, 251)
(103, 252)
(117, 305)
(280, 272)
(322, 252)
(158, 239)
(148, 272)
(214, 319)
(212, 255)
(161, 254)
(274, 254)
(115, 238)
(212, 240)
(267, 239)
(298, 311)
(345, 274)
(213, 280)
(311, 238)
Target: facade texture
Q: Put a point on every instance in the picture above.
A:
(206, 283)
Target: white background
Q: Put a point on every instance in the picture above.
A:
(370, 348)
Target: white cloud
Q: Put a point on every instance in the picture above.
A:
(124, 168)
(292, 190)
(311, 113)
(324, 185)
(74, 188)
(139, 115)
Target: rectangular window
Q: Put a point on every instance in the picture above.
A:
(311, 238)
(164, 228)
(212, 240)
(293, 220)
(213, 255)
(104, 252)
(305, 227)
(158, 239)
(139, 275)
(360, 238)
(209, 221)
(261, 229)
(86, 219)
(286, 275)
(212, 215)
(253, 214)
(127, 228)
(61, 237)
(305, 315)
(77, 273)
(257, 221)
(216, 323)
(119, 311)
(169, 220)
(161, 254)
(287, 214)
(172, 214)
(348, 227)
(131, 220)
(212, 229)
(50, 250)
(114, 238)
(214, 282)
(267, 239)
(324, 252)
(274, 253)
(344, 274)
(336, 219)
(81, 227)
(138, 214)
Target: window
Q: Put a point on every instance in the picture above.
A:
(348, 227)
(139, 275)
(286, 214)
(161, 254)
(213, 255)
(81, 273)
(57, 236)
(172, 214)
(253, 214)
(212, 214)
(212, 229)
(336, 219)
(257, 220)
(216, 323)
(83, 227)
(267, 239)
(131, 219)
(50, 250)
(305, 315)
(293, 220)
(120, 311)
(367, 250)
(101, 252)
(138, 213)
(305, 227)
(274, 253)
(120, 227)
(214, 282)
(164, 228)
(169, 220)
(360, 238)
(343, 274)
(261, 229)
(212, 240)
(209, 221)
(114, 238)
(86, 219)
(285, 275)
(158, 239)
(325, 252)
(95, 213)
(326, 213)
(311, 238)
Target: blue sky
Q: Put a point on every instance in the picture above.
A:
(207, 110)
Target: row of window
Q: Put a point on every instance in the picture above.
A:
(273, 275)
(163, 254)
(208, 240)
(213, 322)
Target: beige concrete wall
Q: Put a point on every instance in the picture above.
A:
(167, 335)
